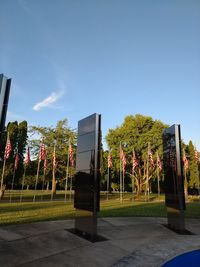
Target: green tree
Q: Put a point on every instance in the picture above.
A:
(136, 132)
(18, 137)
(58, 136)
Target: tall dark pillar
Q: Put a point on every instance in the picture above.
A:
(5, 84)
(87, 180)
(174, 182)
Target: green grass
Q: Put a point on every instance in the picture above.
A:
(14, 213)
(135, 209)
(26, 212)
(28, 195)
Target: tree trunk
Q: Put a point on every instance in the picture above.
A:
(2, 191)
(47, 188)
(138, 185)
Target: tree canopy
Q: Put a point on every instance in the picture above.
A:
(18, 137)
(135, 134)
(60, 136)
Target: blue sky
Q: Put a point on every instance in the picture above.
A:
(71, 58)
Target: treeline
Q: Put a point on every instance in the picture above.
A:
(136, 135)
(18, 138)
(58, 136)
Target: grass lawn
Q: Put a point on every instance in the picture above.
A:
(25, 212)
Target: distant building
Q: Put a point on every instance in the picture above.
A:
(4, 97)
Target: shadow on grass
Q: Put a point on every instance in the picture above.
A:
(26, 206)
(155, 209)
(16, 213)
(135, 210)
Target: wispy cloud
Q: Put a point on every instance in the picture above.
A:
(47, 102)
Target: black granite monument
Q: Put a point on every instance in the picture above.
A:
(174, 182)
(5, 84)
(87, 180)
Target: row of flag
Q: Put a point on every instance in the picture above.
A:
(42, 156)
(135, 161)
(185, 160)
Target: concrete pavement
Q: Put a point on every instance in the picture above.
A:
(131, 242)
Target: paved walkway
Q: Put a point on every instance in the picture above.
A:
(131, 242)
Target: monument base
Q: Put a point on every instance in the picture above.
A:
(176, 220)
(86, 221)
(87, 236)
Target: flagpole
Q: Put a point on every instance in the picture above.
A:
(12, 184)
(14, 170)
(185, 176)
(108, 181)
(43, 184)
(120, 174)
(53, 172)
(158, 178)
(122, 183)
(67, 173)
(37, 176)
(147, 182)
(134, 165)
(70, 194)
(198, 181)
(7, 151)
(2, 178)
(133, 185)
(23, 183)
(186, 185)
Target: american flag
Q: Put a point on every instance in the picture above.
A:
(123, 159)
(185, 161)
(16, 160)
(42, 152)
(151, 158)
(159, 163)
(134, 161)
(196, 155)
(8, 148)
(27, 158)
(45, 164)
(54, 157)
(109, 160)
(71, 160)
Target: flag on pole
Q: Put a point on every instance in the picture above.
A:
(109, 160)
(134, 161)
(28, 157)
(71, 160)
(196, 155)
(151, 158)
(185, 161)
(54, 157)
(8, 148)
(16, 160)
(159, 163)
(123, 159)
(42, 152)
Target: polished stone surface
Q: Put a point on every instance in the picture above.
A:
(87, 178)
